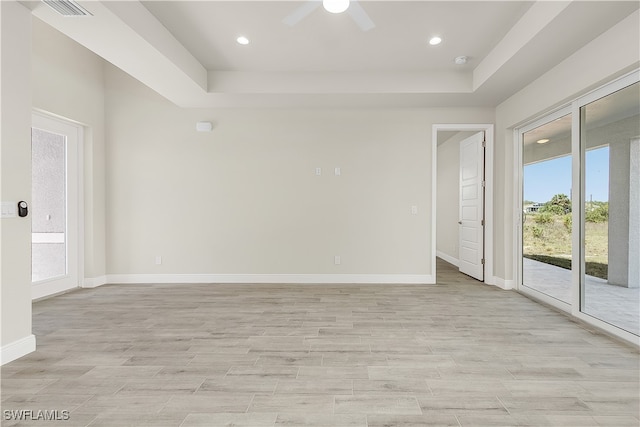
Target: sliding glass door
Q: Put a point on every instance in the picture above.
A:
(610, 149)
(579, 203)
(546, 209)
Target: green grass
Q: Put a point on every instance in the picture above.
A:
(595, 269)
(548, 240)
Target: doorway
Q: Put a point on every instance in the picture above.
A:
(55, 230)
(462, 198)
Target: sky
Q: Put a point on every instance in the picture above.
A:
(544, 180)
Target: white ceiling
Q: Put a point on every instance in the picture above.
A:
(186, 50)
(328, 42)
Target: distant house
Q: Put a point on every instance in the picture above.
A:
(533, 208)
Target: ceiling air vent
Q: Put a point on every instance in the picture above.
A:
(67, 7)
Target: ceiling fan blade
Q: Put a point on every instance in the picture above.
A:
(360, 16)
(301, 12)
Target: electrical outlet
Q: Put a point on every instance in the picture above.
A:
(337, 260)
(158, 259)
(337, 171)
(414, 210)
(318, 171)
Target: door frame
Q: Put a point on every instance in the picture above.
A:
(488, 130)
(46, 291)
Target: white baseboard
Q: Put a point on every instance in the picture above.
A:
(94, 282)
(503, 283)
(417, 279)
(17, 349)
(448, 258)
(49, 288)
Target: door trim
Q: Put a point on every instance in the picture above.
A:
(45, 288)
(488, 130)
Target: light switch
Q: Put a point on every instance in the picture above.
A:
(318, 171)
(414, 210)
(337, 171)
(9, 209)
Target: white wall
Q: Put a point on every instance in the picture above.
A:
(612, 54)
(45, 70)
(447, 198)
(244, 199)
(68, 81)
(15, 233)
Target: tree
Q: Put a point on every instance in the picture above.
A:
(559, 204)
(597, 212)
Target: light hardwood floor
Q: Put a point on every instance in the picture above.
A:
(455, 353)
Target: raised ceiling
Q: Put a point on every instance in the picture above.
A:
(187, 51)
(326, 42)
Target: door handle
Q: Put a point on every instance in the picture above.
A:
(460, 222)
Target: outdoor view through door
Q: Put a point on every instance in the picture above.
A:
(546, 209)
(610, 145)
(594, 180)
(54, 233)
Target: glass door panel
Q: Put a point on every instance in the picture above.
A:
(610, 141)
(55, 206)
(546, 209)
(49, 205)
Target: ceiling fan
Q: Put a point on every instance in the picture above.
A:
(352, 7)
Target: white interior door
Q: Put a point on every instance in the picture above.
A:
(471, 219)
(54, 206)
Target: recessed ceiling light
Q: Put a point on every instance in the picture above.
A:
(542, 141)
(435, 40)
(242, 40)
(461, 60)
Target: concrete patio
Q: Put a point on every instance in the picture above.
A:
(616, 305)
